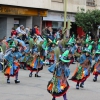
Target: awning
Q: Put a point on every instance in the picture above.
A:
(56, 16)
(12, 10)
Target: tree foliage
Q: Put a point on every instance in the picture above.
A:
(89, 20)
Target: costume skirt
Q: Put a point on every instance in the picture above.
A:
(80, 77)
(12, 70)
(34, 69)
(63, 87)
(96, 69)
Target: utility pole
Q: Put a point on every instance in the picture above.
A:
(65, 12)
(65, 17)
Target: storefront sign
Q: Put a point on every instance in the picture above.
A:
(16, 21)
(53, 16)
(9, 10)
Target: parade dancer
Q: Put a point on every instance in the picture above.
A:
(58, 85)
(82, 72)
(87, 41)
(96, 67)
(77, 50)
(35, 64)
(51, 53)
(70, 43)
(24, 59)
(12, 64)
(71, 47)
(1, 58)
(36, 57)
(45, 48)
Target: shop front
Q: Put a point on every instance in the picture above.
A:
(11, 16)
(56, 19)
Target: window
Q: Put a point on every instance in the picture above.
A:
(16, 23)
(90, 3)
(54, 24)
(61, 1)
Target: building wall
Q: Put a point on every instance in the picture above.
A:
(7, 23)
(55, 5)
(3, 26)
(28, 3)
(95, 6)
(98, 4)
(37, 21)
(10, 24)
(23, 22)
(26, 21)
(72, 5)
(29, 21)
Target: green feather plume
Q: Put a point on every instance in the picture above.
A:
(57, 53)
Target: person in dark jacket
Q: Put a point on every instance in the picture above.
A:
(44, 32)
(34, 30)
(50, 33)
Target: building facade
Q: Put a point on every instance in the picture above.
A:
(42, 13)
(55, 16)
(20, 12)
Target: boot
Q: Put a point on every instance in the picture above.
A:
(30, 75)
(17, 81)
(65, 97)
(36, 75)
(24, 68)
(95, 79)
(53, 98)
(82, 85)
(8, 81)
(77, 86)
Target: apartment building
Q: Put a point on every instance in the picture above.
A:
(40, 12)
(93, 4)
(21, 12)
(55, 16)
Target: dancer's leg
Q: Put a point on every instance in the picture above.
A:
(65, 96)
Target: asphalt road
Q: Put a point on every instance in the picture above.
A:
(35, 88)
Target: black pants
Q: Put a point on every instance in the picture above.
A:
(23, 37)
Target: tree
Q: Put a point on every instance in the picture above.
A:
(89, 20)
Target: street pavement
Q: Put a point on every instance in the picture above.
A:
(35, 88)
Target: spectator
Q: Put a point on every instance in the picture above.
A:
(27, 31)
(30, 32)
(49, 33)
(44, 32)
(20, 29)
(4, 45)
(13, 32)
(21, 32)
(37, 31)
(58, 34)
(34, 30)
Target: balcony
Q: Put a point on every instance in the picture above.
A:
(91, 3)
